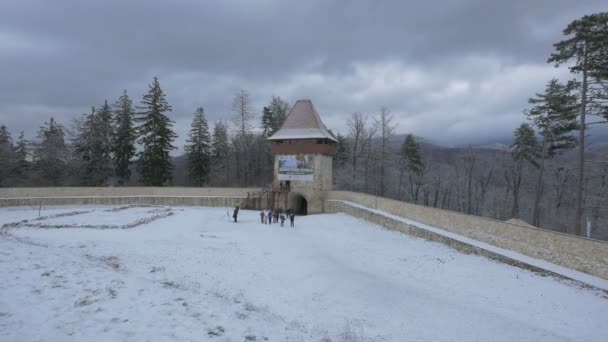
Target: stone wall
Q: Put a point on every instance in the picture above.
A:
(585, 255)
(588, 256)
(129, 195)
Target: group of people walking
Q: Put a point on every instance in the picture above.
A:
(269, 216)
(274, 216)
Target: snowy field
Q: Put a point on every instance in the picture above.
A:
(187, 274)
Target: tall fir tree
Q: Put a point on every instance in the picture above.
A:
(585, 50)
(555, 116)
(156, 137)
(342, 150)
(51, 153)
(21, 149)
(124, 138)
(524, 148)
(8, 156)
(220, 153)
(267, 122)
(93, 145)
(104, 133)
(84, 146)
(411, 164)
(278, 109)
(198, 149)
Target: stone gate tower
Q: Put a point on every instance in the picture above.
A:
(303, 151)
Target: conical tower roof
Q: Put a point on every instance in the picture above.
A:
(303, 122)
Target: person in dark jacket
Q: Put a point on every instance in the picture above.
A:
(269, 216)
(275, 216)
(282, 220)
(235, 214)
(291, 218)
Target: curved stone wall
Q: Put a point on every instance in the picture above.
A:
(585, 255)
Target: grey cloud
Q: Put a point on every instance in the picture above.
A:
(64, 56)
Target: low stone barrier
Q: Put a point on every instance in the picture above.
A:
(212, 197)
(584, 255)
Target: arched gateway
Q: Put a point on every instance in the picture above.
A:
(303, 150)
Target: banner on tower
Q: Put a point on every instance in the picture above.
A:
(296, 167)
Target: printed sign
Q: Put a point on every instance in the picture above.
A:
(298, 167)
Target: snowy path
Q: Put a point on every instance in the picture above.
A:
(193, 276)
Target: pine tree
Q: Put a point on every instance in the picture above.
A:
(103, 133)
(124, 138)
(524, 148)
(412, 164)
(93, 145)
(267, 122)
(220, 153)
(23, 165)
(279, 109)
(84, 145)
(156, 137)
(50, 153)
(342, 150)
(198, 148)
(554, 114)
(8, 156)
(586, 51)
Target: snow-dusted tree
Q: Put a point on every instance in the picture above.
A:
(83, 144)
(103, 133)
(412, 165)
(278, 109)
(93, 144)
(267, 122)
(342, 150)
(156, 137)
(8, 156)
(198, 149)
(525, 148)
(585, 51)
(241, 107)
(21, 150)
(554, 114)
(220, 154)
(50, 153)
(124, 137)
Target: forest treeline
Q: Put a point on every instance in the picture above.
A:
(549, 177)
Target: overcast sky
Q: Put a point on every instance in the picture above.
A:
(454, 72)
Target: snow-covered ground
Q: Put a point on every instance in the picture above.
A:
(187, 274)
